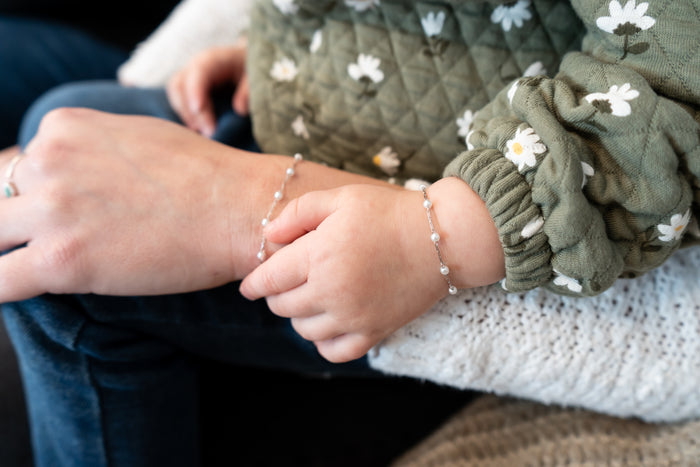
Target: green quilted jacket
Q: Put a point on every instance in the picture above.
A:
(590, 175)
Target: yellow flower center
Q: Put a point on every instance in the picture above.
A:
(679, 228)
(517, 148)
(377, 160)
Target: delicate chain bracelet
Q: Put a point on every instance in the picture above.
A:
(435, 238)
(262, 254)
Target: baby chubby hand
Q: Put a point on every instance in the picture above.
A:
(356, 267)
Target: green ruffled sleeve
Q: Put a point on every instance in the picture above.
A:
(595, 174)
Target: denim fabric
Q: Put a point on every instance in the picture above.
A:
(112, 381)
(36, 56)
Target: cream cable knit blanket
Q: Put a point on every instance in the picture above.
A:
(632, 351)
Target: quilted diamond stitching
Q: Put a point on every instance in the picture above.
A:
(438, 142)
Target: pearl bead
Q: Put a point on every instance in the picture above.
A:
(261, 255)
(435, 237)
(452, 290)
(444, 270)
(298, 157)
(427, 204)
(278, 195)
(265, 222)
(290, 171)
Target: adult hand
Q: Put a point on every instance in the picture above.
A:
(130, 205)
(362, 264)
(189, 90)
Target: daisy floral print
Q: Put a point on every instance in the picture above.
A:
(316, 42)
(524, 148)
(509, 15)
(674, 231)
(366, 71)
(387, 160)
(535, 69)
(464, 127)
(287, 7)
(626, 22)
(615, 101)
(283, 70)
(362, 5)
(299, 127)
(432, 24)
(565, 281)
(532, 227)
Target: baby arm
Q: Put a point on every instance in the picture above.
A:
(361, 263)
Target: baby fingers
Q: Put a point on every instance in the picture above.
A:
(345, 348)
(318, 328)
(295, 303)
(287, 269)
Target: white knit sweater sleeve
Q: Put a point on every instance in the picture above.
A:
(632, 351)
(192, 26)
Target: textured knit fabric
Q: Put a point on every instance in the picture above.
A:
(589, 176)
(495, 432)
(631, 351)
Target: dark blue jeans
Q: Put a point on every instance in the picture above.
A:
(113, 381)
(36, 56)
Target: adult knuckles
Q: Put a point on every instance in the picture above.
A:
(54, 197)
(57, 138)
(60, 262)
(64, 116)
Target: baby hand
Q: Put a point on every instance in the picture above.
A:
(359, 266)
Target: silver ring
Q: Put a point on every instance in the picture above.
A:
(8, 186)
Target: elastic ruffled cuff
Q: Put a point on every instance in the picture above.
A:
(519, 221)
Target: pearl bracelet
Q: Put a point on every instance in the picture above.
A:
(262, 255)
(435, 238)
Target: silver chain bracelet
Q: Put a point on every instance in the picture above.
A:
(435, 238)
(262, 254)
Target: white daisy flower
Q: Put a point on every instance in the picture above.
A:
(615, 101)
(626, 21)
(524, 148)
(299, 127)
(284, 69)
(532, 227)
(316, 42)
(464, 123)
(674, 231)
(511, 92)
(414, 184)
(587, 172)
(470, 146)
(512, 15)
(535, 69)
(287, 7)
(367, 66)
(387, 160)
(433, 23)
(565, 281)
(362, 5)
